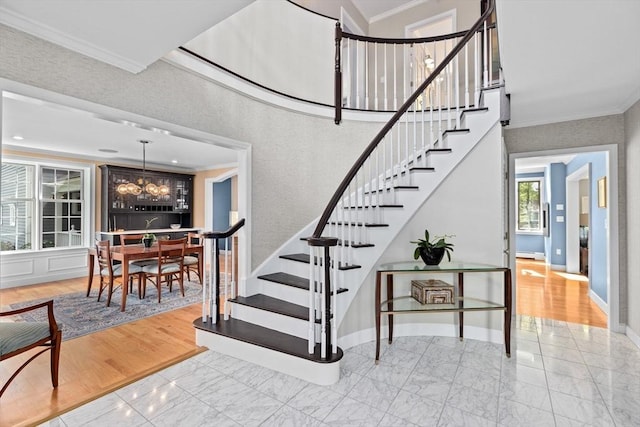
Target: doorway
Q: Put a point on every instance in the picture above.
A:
(570, 180)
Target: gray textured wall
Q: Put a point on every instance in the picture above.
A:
(295, 168)
(577, 134)
(632, 137)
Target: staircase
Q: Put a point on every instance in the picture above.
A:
(270, 323)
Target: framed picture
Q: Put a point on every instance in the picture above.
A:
(602, 192)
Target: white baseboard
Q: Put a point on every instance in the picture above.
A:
(539, 256)
(595, 298)
(633, 336)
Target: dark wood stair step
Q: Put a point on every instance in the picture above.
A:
(274, 305)
(373, 206)
(266, 338)
(358, 224)
(395, 187)
(305, 259)
(291, 280)
(456, 131)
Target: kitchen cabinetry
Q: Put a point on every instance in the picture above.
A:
(131, 198)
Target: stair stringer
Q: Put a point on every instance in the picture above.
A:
(479, 123)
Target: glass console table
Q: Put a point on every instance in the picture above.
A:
(404, 304)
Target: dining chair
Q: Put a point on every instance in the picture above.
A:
(134, 239)
(168, 266)
(21, 336)
(110, 272)
(192, 262)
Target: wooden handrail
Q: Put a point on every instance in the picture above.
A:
(324, 218)
(224, 234)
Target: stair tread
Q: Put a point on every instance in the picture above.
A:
(305, 259)
(463, 130)
(291, 280)
(274, 305)
(266, 338)
(374, 206)
(287, 279)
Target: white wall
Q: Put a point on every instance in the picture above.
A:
(468, 204)
(285, 48)
(632, 145)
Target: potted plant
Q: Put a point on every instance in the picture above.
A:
(432, 250)
(149, 238)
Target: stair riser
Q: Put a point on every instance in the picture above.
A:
(317, 373)
(267, 319)
(295, 267)
(284, 292)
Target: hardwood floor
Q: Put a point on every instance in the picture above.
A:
(91, 365)
(542, 292)
(96, 364)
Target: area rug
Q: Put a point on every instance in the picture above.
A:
(78, 315)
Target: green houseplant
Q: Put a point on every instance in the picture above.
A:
(432, 250)
(149, 238)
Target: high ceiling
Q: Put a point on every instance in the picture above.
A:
(562, 59)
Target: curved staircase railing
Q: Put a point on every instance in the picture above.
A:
(417, 131)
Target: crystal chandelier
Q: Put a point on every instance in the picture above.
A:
(142, 185)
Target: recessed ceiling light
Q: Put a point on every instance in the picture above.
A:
(18, 137)
(107, 150)
(174, 161)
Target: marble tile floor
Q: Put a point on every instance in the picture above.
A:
(560, 374)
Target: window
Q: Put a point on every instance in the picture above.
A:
(529, 197)
(16, 217)
(56, 214)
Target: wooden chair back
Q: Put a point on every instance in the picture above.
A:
(103, 252)
(194, 238)
(130, 239)
(171, 251)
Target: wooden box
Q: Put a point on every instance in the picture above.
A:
(432, 291)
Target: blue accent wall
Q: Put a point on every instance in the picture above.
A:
(221, 207)
(597, 221)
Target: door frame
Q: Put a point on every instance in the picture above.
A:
(573, 217)
(612, 224)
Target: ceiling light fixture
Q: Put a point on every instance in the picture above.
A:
(18, 137)
(143, 186)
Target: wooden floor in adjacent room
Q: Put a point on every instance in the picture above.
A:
(542, 292)
(94, 364)
(99, 363)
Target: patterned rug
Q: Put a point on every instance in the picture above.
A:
(78, 315)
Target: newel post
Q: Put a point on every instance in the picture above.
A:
(338, 76)
(320, 293)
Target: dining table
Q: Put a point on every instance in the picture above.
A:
(128, 253)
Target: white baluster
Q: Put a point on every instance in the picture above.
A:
(311, 326)
(357, 71)
(334, 308)
(466, 75)
(323, 305)
(386, 93)
(375, 83)
(205, 281)
(366, 76)
(213, 306)
(395, 80)
(228, 293)
(485, 56)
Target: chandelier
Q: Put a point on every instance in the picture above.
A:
(142, 185)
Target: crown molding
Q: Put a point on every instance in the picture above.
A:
(45, 32)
